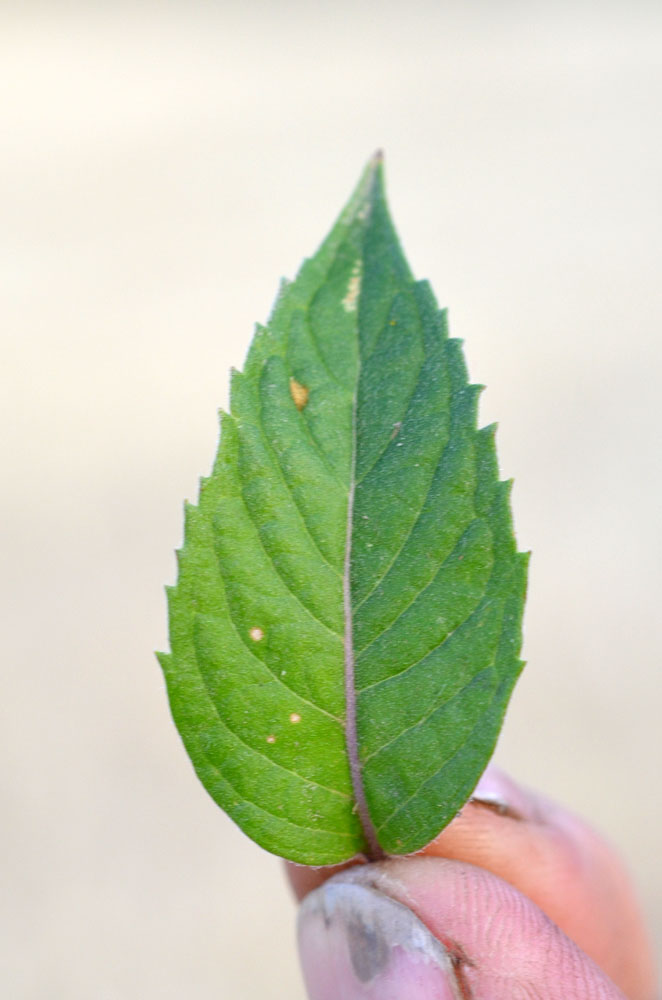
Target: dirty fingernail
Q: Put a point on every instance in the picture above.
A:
(356, 943)
(497, 790)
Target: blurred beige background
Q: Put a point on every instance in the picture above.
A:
(161, 167)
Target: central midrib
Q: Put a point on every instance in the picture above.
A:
(374, 851)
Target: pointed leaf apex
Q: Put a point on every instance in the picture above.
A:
(367, 192)
(374, 175)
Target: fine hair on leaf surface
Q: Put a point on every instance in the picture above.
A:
(346, 625)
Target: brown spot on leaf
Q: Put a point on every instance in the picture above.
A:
(256, 634)
(299, 393)
(295, 717)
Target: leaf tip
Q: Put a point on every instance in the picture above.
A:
(368, 192)
(375, 175)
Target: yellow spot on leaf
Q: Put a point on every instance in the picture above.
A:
(295, 717)
(271, 738)
(299, 393)
(256, 634)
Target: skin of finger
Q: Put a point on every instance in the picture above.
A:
(501, 944)
(570, 873)
(559, 863)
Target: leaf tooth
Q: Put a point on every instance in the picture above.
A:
(472, 394)
(443, 320)
(523, 558)
(431, 315)
(456, 362)
(237, 378)
(488, 435)
(503, 489)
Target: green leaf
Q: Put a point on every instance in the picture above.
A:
(346, 625)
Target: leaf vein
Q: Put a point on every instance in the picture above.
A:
(382, 329)
(410, 666)
(426, 781)
(437, 706)
(277, 465)
(265, 665)
(260, 753)
(268, 812)
(282, 579)
(389, 441)
(412, 529)
(322, 454)
(420, 592)
(315, 342)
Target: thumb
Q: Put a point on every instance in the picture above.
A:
(431, 929)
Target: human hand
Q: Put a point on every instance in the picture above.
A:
(516, 898)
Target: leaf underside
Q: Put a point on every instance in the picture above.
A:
(346, 625)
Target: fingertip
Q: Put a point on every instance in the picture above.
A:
(428, 928)
(550, 857)
(563, 865)
(358, 943)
